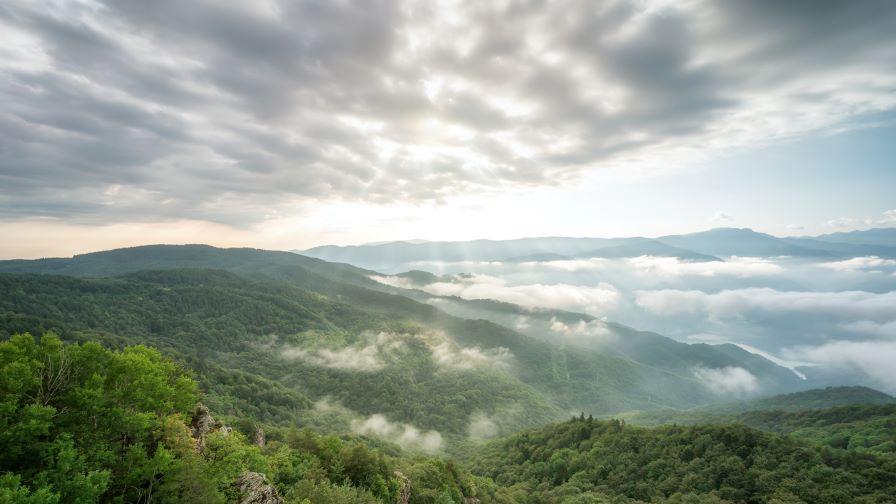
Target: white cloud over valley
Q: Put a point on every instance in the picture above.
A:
(870, 263)
(451, 356)
(736, 303)
(732, 266)
(403, 434)
(594, 300)
(728, 381)
(366, 356)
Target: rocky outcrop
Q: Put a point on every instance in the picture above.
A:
(255, 489)
(404, 493)
(203, 423)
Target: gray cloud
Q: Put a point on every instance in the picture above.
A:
(235, 112)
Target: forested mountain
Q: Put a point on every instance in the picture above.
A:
(273, 291)
(305, 271)
(810, 399)
(282, 319)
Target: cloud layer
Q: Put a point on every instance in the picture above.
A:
(728, 381)
(367, 356)
(593, 300)
(405, 435)
(732, 266)
(730, 304)
(448, 355)
(237, 112)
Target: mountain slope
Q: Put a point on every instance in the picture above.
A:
(306, 344)
(829, 397)
(702, 246)
(267, 301)
(607, 338)
(246, 261)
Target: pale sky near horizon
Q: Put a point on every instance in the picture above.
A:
(290, 124)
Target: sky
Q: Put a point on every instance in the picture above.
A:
(287, 125)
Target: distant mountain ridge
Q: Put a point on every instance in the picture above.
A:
(707, 245)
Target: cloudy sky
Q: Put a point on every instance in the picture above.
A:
(288, 124)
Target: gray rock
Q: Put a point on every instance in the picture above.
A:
(203, 424)
(404, 493)
(255, 489)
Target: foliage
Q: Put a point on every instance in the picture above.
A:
(729, 463)
(80, 423)
(861, 427)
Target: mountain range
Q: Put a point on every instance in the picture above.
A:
(708, 245)
(198, 301)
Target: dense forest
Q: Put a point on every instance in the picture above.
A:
(79, 423)
(584, 459)
(859, 419)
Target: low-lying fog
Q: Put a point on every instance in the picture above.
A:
(837, 314)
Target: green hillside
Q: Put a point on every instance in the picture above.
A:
(853, 418)
(307, 302)
(239, 331)
(586, 460)
(217, 321)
